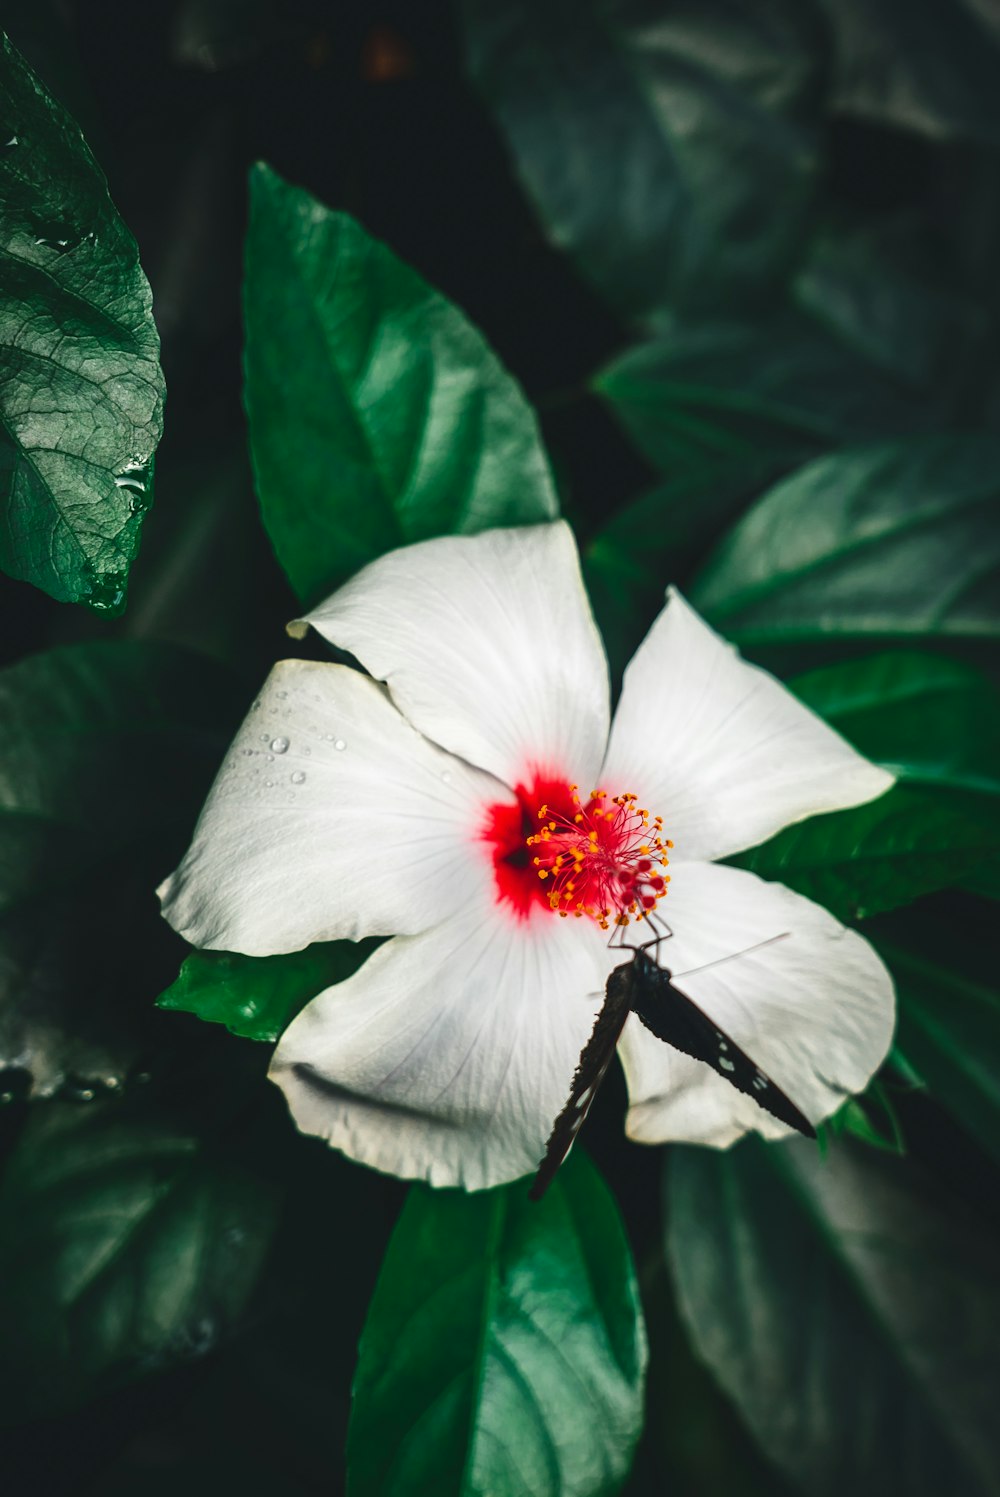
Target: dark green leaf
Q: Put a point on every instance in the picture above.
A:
(107, 752)
(674, 154)
(378, 415)
(128, 1244)
(949, 1016)
(929, 65)
(985, 879)
(258, 997)
(850, 1310)
(899, 539)
(81, 401)
(877, 856)
(931, 720)
(716, 401)
(504, 1350)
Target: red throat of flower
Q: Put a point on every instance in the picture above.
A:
(603, 856)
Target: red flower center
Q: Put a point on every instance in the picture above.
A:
(603, 856)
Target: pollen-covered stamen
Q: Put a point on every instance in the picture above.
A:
(608, 861)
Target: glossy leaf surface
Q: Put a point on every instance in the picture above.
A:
(378, 414)
(877, 856)
(648, 139)
(856, 544)
(81, 398)
(848, 1307)
(258, 997)
(130, 1244)
(504, 1350)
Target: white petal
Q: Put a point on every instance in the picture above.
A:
(488, 646)
(448, 1056)
(814, 1010)
(331, 817)
(719, 748)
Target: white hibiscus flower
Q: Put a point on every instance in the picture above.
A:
(348, 808)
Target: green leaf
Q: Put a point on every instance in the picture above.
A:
(81, 401)
(949, 1015)
(673, 157)
(129, 1243)
(848, 1308)
(877, 856)
(258, 997)
(985, 879)
(747, 400)
(932, 721)
(504, 1350)
(378, 414)
(106, 755)
(895, 540)
(931, 66)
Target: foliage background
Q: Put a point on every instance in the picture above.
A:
(741, 258)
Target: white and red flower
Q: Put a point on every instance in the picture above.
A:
(435, 801)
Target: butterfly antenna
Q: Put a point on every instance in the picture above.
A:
(734, 954)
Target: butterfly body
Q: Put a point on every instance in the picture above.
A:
(641, 986)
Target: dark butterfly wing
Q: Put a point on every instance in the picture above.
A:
(594, 1061)
(672, 1016)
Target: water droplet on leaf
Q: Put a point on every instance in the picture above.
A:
(279, 745)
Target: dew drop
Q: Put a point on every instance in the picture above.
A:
(339, 745)
(279, 745)
(264, 737)
(282, 694)
(298, 778)
(269, 783)
(446, 777)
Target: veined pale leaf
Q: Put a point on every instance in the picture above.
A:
(378, 414)
(81, 395)
(901, 539)
(504, 1350)
(850, 1310)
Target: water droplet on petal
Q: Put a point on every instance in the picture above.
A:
(279, 745)
(298, 778)
(446, 777)
(339, 745)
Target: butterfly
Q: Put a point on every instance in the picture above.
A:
(644, 988)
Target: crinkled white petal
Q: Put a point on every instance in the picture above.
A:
(719, 748)
(448, 1055)
(814, 1010)
(331, 817)
(488, 646)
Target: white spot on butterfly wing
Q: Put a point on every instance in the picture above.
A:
(727, 1065)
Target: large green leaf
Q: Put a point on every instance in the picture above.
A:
(81, 398)
(931, 720)
(673, 153)
(930, 65)
(877, 856)
(258, 996)
(504, 1349)
(378, 414)
(129, 1243)
(107, 752)
(850, 1310)
(894, 540)
(945, 971)
(750, 399)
